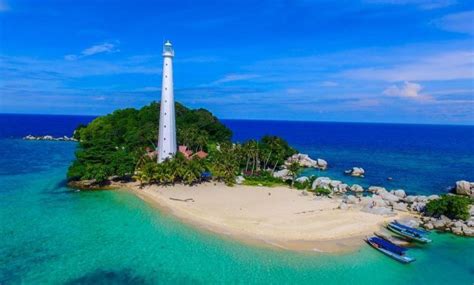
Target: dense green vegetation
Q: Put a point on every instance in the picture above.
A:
(452, 206)
(116, 144)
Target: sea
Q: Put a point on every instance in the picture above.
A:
(50, 234)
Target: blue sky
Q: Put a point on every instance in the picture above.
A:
(407, 61)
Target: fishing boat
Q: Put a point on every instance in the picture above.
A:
(389, 249)
(408, 232)
(396, 240)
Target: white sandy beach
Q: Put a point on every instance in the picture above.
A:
(276, 216)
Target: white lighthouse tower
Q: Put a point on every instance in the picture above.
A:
(167, 131)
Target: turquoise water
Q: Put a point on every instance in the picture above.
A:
(50, 234)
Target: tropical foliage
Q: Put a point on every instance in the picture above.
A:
(115, 143)
(178, 169)
(263, 178)
(452, 206)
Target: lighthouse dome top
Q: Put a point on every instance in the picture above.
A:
(168, 49)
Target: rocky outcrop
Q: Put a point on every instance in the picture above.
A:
(464, 187)
(49, 138)
(305, 161)
(356, 172)
(302, 179)
(283, 174)
(357, 188)
(239, 179)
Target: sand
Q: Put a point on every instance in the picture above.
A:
(278, 216)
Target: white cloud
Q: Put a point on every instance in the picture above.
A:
(70, 57)
(423, 4)
(102, 48)
(459, 22)
(329, 84)
(406, 90)
(93, 50)
(235, 77)
(456, 65)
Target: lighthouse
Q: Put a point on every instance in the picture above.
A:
(167, 128)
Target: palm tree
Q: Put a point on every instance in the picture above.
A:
(294, 169)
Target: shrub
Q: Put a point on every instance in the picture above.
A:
(322, 191)
(263, 178)
(452, 206)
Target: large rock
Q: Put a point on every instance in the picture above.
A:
(468, 231)
(239, 179)
(403, 207)
(428, 226)
(457, 231)
(302, 179)
(334, 183)
(389, 197)
(410, 199)
(422, 199)
(464, 187)
(433, 197)
(400, 193)
(322, 164)
(341, 188)
(418, 206)
(283, 174)
(439, 224)
(356, 172)
(321, 182)
(305, 161)
(357, 188)
(351, 199)
(377, 189)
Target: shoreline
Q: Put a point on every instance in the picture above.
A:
(273, 217)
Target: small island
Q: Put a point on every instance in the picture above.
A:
(252, 191)
(249, 190)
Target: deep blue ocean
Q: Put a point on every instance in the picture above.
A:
(50, 234)
(421, 159)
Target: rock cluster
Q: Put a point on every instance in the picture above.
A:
(284, 174)
(356, 172)
(305, 161)
(443, 223)
(239, 180)
(464, 187)
(48, 138)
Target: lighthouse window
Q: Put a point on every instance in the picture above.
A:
(166, 76)
(166, 88)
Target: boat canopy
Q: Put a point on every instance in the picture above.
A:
(420, 232)
(388, 245)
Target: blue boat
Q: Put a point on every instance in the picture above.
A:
(390, 249)
(408, 232)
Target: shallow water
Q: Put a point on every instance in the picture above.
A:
(51, 234)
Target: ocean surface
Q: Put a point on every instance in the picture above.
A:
(53, 235)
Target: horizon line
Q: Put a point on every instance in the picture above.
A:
(271, 120)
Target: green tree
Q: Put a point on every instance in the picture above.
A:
(294, 169)
(452, 206)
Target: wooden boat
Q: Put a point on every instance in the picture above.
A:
(396, 240)
(389, 249)
(408, 232)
